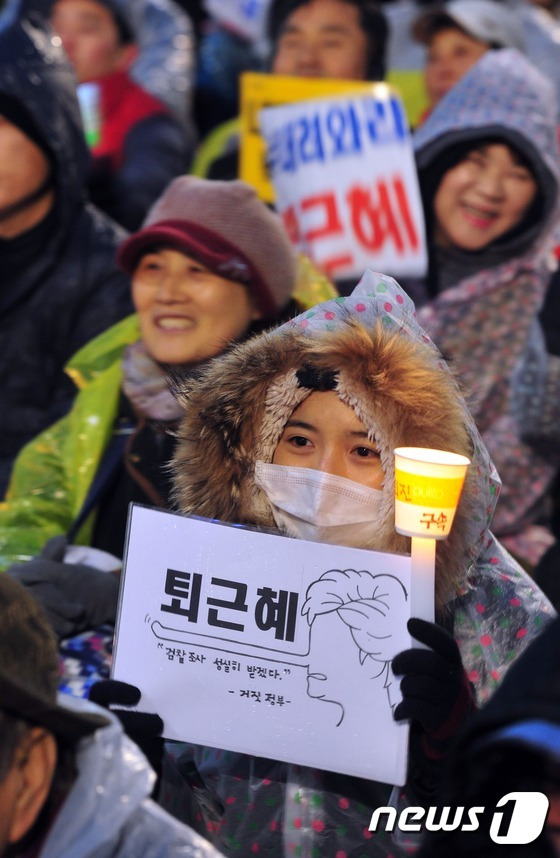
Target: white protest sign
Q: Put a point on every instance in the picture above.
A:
(265, 645)
(346, 185)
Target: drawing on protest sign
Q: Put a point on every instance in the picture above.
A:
(258, 91)
(346, 183)
(266, 645)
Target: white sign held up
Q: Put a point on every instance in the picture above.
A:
(346, 184)
(265, 645)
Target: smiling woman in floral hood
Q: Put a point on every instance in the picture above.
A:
(489, 169)
(369, 355)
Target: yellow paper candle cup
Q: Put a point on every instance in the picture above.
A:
(428, 485)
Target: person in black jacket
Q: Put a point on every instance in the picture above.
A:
(60, 285)
(506, 763)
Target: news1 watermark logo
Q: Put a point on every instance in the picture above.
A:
(517, 819)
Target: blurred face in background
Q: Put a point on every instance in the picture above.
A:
(482, 197)
(187, 313)
(323, 38)
(451, 53)
(91, 39)
(24, 167)
(25, 787)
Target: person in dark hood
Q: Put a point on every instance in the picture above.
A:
(489, 171)
(60, 283)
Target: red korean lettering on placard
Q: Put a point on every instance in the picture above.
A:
(378, 216)
(378, 213)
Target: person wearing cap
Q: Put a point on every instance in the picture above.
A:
(60, 284)
(338, 39)
(457, 34)
(137, 144)
(210, 265)
(511, 747)
(72, 785)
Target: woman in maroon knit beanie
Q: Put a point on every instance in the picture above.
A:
(210, 266)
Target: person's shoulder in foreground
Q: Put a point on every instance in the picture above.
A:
(72, 785)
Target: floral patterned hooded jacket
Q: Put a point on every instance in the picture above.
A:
(393, 377)
(486, 302)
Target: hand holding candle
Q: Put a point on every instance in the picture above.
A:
(428, 484)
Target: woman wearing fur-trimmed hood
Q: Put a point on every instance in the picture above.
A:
(368, 349)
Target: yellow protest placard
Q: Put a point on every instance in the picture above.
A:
(263, 90)
(258, 91)
(410, 85)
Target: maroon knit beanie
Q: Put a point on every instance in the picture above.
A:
(228, 229)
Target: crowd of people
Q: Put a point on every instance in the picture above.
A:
(166, 344)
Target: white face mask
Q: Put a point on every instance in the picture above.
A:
(311, 504)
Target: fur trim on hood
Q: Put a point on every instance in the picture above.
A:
(388, 372)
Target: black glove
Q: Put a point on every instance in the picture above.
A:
(74, 597)
(437, 698)
(143, 728)
(436, 691)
